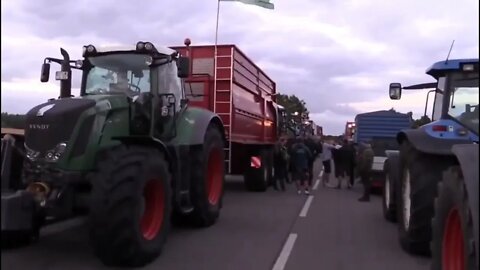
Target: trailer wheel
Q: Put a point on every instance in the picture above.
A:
(207, 179)
(257, 177)
(388, 195)
(130, 206)
(452, 227)
(420, 174)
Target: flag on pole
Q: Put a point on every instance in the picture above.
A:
(261, 3)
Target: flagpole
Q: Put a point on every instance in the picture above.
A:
(215, 60)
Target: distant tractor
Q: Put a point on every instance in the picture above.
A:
(436, 171)
(129, 150)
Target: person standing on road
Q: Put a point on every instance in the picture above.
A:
(340, 157)
(300, 157)
(326, 161)
(364, 168)
(280, 164)
(350, 163)
(316, 150)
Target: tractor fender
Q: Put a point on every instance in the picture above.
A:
(467, 156)
(192, 125)
(423, 142)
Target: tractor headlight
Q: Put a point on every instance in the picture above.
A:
(31, 154)
(55, 154)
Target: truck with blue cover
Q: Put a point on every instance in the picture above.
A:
(435, 195)
(379, 128)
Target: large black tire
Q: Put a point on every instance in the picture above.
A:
(258, 179)
(130, 206)
(388, 192)
(452, 227)
(207, 179)
(423, 172)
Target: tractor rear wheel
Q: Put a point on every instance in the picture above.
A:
(420, 174)
(452, 226)
(207, 179)
(130, 206)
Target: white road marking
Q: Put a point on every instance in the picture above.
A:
(62, 226)
(315, 186)
(285, 253)
(306, 206)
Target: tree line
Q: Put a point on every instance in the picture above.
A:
(13, 120)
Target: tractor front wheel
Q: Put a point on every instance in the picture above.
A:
(130, 206)
(207, 179)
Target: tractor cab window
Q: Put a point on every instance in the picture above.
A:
(118, 74)
(438, 101)
(168, 82)
(464, 99)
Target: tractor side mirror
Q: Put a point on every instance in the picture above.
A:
(395, 91)
(183, 64)
(45, 74)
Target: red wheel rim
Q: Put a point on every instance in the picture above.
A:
(453, 255)
(152, 217)
(214, 176)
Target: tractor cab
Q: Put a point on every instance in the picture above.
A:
(455, 112)
(143, 77)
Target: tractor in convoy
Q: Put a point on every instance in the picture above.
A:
(434, 175)
(130, 151)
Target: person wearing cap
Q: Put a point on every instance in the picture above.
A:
(364, 168)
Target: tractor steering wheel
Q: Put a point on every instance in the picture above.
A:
(136, 88)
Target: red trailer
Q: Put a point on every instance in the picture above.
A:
(244, 97)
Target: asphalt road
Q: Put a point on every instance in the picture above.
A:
(273, 230)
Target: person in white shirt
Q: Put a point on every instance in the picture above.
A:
(326, 161)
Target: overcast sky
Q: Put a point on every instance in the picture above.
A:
(339, 56)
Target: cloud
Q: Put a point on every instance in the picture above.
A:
(339, 56)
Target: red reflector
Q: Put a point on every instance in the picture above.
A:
(439, 128)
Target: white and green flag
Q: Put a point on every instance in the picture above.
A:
(261, 3)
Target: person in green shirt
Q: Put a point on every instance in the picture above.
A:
(364, 164)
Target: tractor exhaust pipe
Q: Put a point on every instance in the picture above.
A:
(66, 80)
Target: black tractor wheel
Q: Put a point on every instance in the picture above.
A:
(258, 174)
(207, 179)
(388, 194)
(452, 227)
(130, 206)
(420, 174)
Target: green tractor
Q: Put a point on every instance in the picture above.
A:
(129, 151)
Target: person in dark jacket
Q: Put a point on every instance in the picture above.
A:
(340, 159)
(280, 163)
(364, 167)
(315, 150)
(300, 159)
(344, 160)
